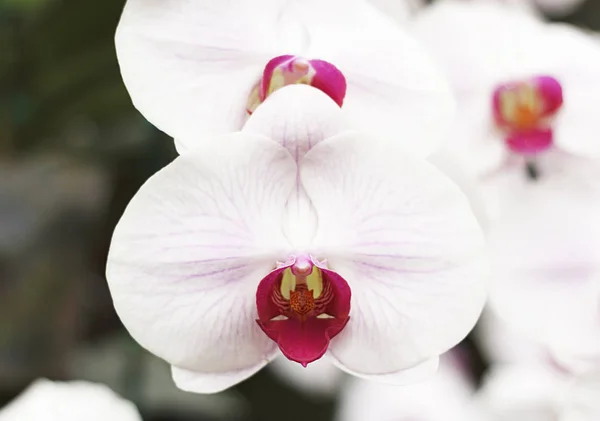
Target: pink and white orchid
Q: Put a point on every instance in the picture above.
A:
(527, 130)
(196, 69)
(302, 237)
(45, 400)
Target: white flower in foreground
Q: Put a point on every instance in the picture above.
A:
(45, 400)
(530, 392)
(444, 397)
(300, 234)
(199, 68)
(528, 132)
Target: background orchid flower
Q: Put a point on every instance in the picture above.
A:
(525, 92)
(45, 400)
(530, 392)
(502, 343)
(198, 68)
(444, 397)
(313, 240)
(575, 340)
(524, 87)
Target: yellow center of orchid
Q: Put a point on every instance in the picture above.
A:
(522, 106)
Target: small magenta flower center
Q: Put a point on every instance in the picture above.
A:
(525, 111)
(289, 70)
(302, 305)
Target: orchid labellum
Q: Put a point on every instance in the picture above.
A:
(301, 237)
(527, 130)
(197, 69)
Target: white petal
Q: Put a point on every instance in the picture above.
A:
(399, 10)
(502, 49)
(199, 382)
(189, 66)
(191, 248)
(403, 377)
(320, 379)
(73, 401)
(575, 62)
(501, 342)
(394, 89)
(405, 239)
(545, 245)
(298, 117)
(443, 397)
(523, 392)
(575, 339)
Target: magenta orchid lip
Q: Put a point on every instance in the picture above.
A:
(525, 110)
(289, 70)
(301, 306)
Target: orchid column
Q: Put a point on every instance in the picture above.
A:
(300, 218)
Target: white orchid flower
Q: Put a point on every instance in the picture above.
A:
(537, 392)
(444, 397)
(525, 89)
(199, 68)
(297, 234)
(527, 131)
(523, 392)
(45, 400)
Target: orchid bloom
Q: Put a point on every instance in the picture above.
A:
(297, 236)
(527, 131)
(444, 397)
(197, 69)
(45, 400)
(536, 392)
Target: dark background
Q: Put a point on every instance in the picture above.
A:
(73, 151)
